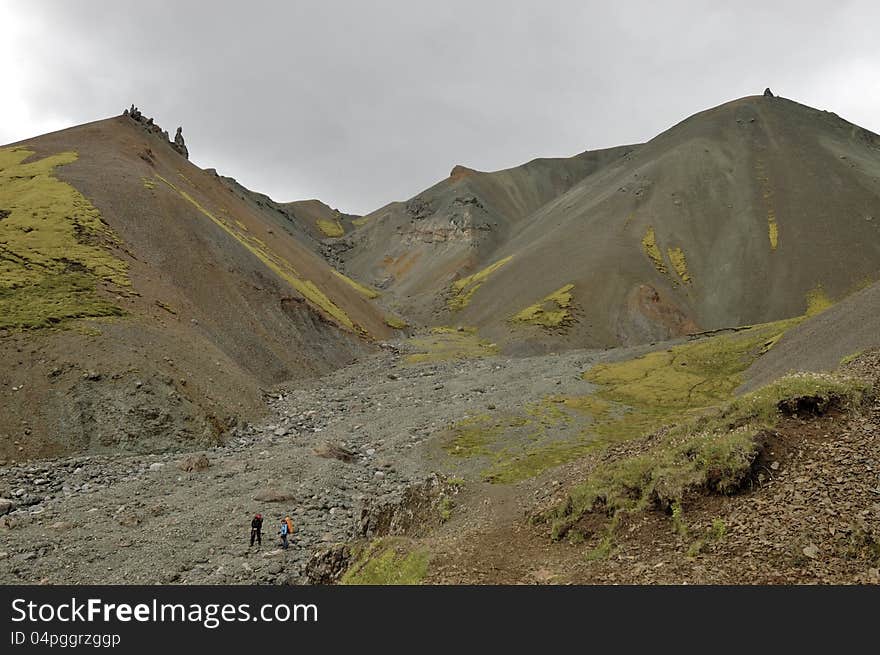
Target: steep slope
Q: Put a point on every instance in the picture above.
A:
(735, 216)
(208, 299)
(822, 341)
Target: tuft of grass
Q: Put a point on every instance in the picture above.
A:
(713, 452)
(550, 312)
(603, 550)
(54, 246)
(652, 250)
(367, 292)
(387, 562)
(464, 288)
(445, 508)
(332, 229)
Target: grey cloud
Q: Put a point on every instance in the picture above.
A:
(361, 103)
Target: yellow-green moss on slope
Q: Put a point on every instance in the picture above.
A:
(634, 397)
(551, 311)
(522, 444)
(54, 247)
(772, 229)
(387, 562)
(652, 250)
(817, 300)
(444, 346)
(473, 436)
(465, 288)
(662, 385)
(363, 289)
(308, 289)
(679, 263)
(52, 300)
(395, 322)
(330, 228)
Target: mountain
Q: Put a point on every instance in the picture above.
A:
(740, 214)
(143, 304)
(147, 304)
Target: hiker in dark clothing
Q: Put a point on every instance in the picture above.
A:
(257, 530)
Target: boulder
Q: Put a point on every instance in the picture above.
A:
(195, 463)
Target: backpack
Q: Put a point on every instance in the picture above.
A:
(289, 526)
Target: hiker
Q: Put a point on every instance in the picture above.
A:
(285, 530)
(257, 530)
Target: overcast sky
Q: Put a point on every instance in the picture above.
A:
(360, 103)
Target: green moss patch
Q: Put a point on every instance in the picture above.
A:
(772, 229)
(363, 289)
(552, 311)
(679, 264)
(464, 289)
(513, 447)
(395, 322)
(330, 228)
(387, 562)
(652, 250)
(52, 242)
(51, 301)
(818, 301)
(473, 436)
(661, 386)
(445, 346)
